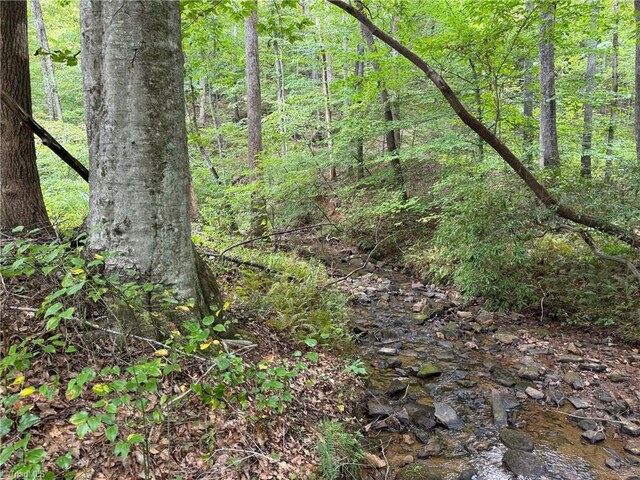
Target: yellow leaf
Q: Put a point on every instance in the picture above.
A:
(262, 366)
(226, 306)
(18, 380)
(341, 408)
(175, 333)
(216, 342)
(205, 345)
(163, 352)
(100, 389)
(183, 388)
(77, 271)
(184, 308)
(97, 256)
(27, 391)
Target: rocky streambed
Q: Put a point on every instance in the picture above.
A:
(457, 392)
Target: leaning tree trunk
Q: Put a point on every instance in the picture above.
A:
(590, 77)
(549, 154)
(611, 131)
(48, 74)
(21, 201)
(139, 182)
(539, 190)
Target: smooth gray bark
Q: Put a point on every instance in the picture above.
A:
(21, 201)
(202, 112)
(48, 74)
(132, 69)
(549, 154)
(590, 78)
(254, 99)
(527, 112)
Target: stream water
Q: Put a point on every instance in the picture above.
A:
(446, 379)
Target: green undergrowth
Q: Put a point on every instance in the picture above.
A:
(340, 452)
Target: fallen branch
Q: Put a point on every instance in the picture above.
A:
(364, 265)
(47, 139)
(273, 234)
(599, 253)
(478, 127)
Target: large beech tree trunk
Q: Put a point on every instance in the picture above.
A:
(132, 68)
(549, 154)
(48, 74)
(21, 201)
(254, 99)
(636, 104)
(590, 77)
(501, 149)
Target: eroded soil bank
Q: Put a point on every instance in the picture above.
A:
(455, 391)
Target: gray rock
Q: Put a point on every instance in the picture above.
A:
(388, 351)
(498, 409)
(587, 424)
(529, 372)
(398, 386)
(578, 402)
(576, 415)
(613, 464)
(516, 440)
(505, 338)
(468, 474)
(534, 393)
(593, 436)
(556, 397)
(421, 416)
(431, 449)
(524, 463)
(429, 370)
(592, 367)
(447, 416)
(568, 358)
(630, 428)
(618, 377)
(574, 379)
(379, 408)
(605, 397)
(503, 377)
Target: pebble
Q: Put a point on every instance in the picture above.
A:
(388, 351)
(534, 393)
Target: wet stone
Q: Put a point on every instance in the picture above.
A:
(421, 416)
(633, 448)
(516, 440)
(587, 424)
(398, 386)
(388, 351)
(593, 436)
(529, 372)
(498, 409)
(613, 464)
(431, 449)
(447, 416)
(428, 370)
(578, 402)
(468, 474)
(574, 379)
(534, 393)
(503, 377)
(630, 428)
(524, 463)
(379, 408)
(592, 367)
(569, 358)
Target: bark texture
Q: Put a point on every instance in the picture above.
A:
(549, 154)
(46, 64)
(254, 99)
(590, 78)
(132, 70)
(21, 201)
(636, 104)
(611, 131)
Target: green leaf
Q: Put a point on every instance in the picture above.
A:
(94, 423)
(35, 455)
(111, 433)
(135, 438)
(311, 342)
(26, 421)
(219, 328)
(53, 309)
(122, 449)
(64, 461)
(208, 320)
(79, 418)
(312, 356)
(5, 425)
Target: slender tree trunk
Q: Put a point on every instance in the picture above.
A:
(214, 110)
(202, 113)
(196, 129)
(21, 201)
(527, 112)
(549, 154)
(590, 77)
(254, 117)
(326, 93)
(280, 95)
(477, 93)
(636, 7)
(48, 74)
(391, 136)
(611, 131)
(140, 182)
(359, 72)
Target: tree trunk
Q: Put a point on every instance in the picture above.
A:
(611, 131)
(214, 109)
(549, 154)
(326, 94)
(391, 136)
(527, 112)
(254, 100)
(21, 201)
(590, 77)
(280, 95)
(636, 7)
(202, 101)
(477, 94)
(48, 74)
(139, 182)
(196, 130)
(359, 72)
(539, 190)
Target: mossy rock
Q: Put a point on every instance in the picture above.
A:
(417, 472)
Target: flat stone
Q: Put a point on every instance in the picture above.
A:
(529, 372)
(400, 461)
(633, 448)
(630, 428)
(576, 415)
(587, 424)
(429, 370)
(463, 314)
(574, 379)
(593, 436)
(618, 377)
(379, 408)
(498, 409)
(398, 386)
(388, 351)
(613, 464)
(447, 416)
(578, 402)
(573, 349)
(524, 463)
(592, 367)
(569, 358)
(605, 397)
(505, 338)
(516, 439)
(421, 416)
(534, 393)
(503, 377)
